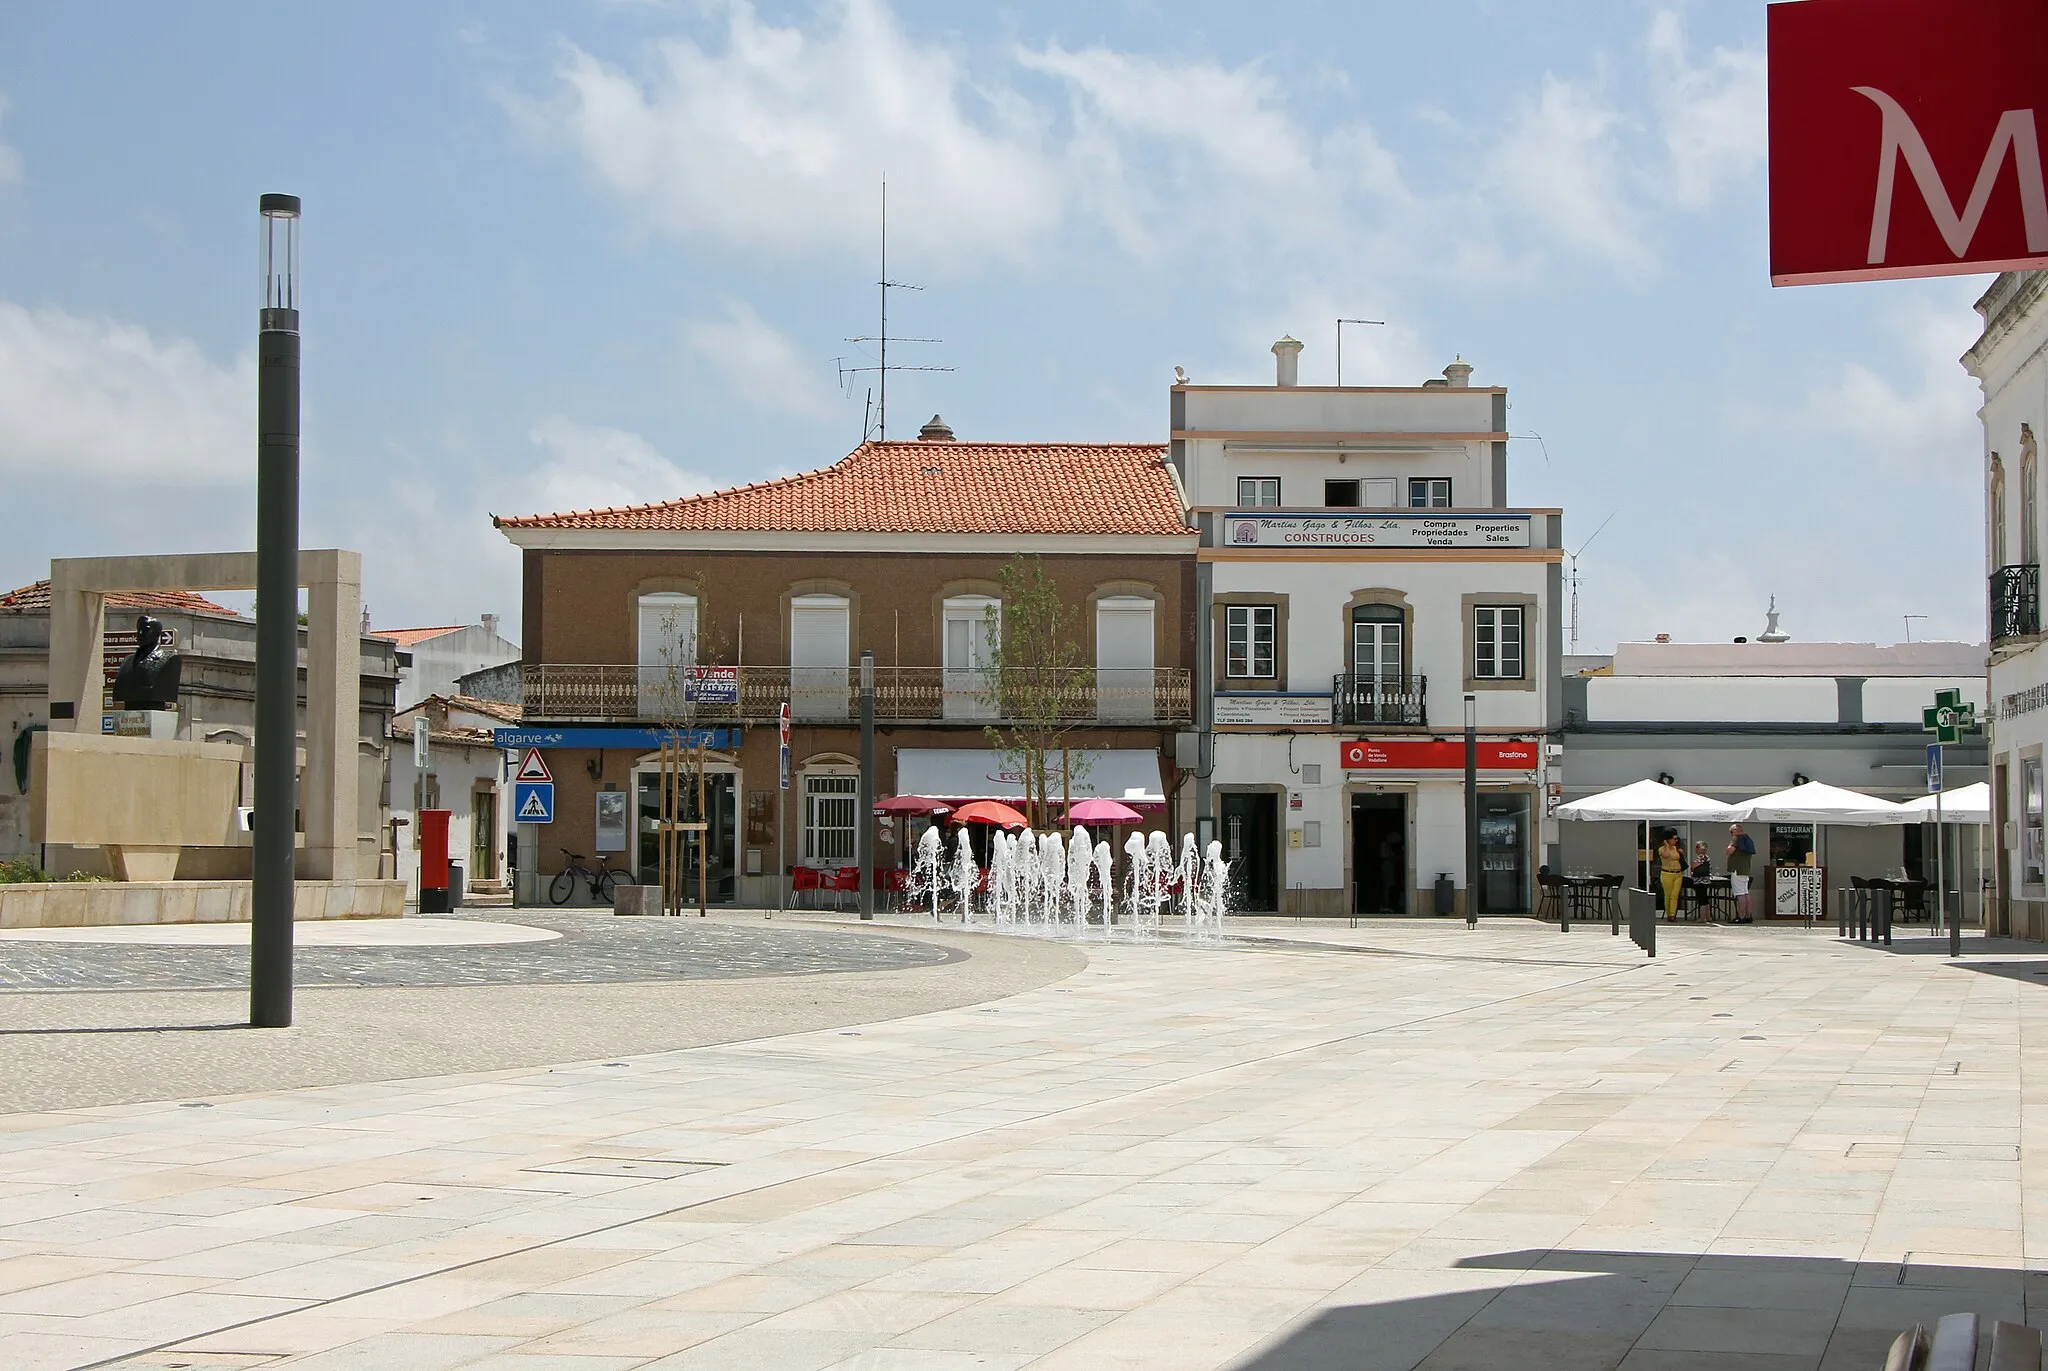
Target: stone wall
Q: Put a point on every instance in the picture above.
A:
(95, 904)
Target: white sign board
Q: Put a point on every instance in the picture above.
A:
(1296, 710)
(419, 742)
(1377, 528)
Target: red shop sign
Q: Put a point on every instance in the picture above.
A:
(1434, 755)
(1905, 138)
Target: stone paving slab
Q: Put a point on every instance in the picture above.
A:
(1455, 1150)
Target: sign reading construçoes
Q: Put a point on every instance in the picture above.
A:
(1377, 528)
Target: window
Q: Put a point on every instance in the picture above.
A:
(1123, 659)
(1382, 492)
(1429, 492)
(1378, 644)
(831, 805)
(1248, 642)
(819, 644)
(1255, 492)
(973, 625)
(1340, 494)
(667, 649)
(2031, 856)
(2030, 499)
(1497, 643)
(1997, 512)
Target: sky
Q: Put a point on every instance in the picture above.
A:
(593, 252)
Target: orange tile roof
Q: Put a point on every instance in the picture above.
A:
(931, 487)
(34, 598)
(406, 637)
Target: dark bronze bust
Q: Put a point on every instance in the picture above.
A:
(148, 679)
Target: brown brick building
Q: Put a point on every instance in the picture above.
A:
(769, 593)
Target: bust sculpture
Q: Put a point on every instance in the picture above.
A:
(148, 679)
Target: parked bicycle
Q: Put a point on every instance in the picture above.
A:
(601, 881)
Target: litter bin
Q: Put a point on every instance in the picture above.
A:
(1446, 894)
(455, 883)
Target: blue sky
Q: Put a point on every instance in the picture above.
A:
(568, 254)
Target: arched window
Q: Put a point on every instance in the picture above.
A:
(2030, 499)
(1997, 520)
(1379, 643)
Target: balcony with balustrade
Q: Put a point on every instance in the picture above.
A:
(1380, 701)
(705, 696)
(2015, 602)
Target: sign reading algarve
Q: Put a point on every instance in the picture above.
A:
(1905, 138)
(1378, 528)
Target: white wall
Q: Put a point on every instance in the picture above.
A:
(437, 662)
(1760, 700)
(1900, 701)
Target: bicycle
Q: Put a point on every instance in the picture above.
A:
(601, 881)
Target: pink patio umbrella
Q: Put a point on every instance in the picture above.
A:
(1102, 812)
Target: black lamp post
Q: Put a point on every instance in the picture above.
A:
(277, 617)
(1472, 880)
(864, 848)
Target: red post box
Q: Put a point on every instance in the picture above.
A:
(434, 861)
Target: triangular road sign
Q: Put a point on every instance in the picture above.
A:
(533, 768)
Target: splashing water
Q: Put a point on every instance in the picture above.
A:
(926, 878)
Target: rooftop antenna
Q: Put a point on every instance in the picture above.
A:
(1574, 559)
(1340, 341)
(1909, 625)
(883, 368)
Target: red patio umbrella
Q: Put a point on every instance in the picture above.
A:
(1102, 812)
(991, 812)
(913, 805)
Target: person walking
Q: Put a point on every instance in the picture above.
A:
(1741, 860)
(1671, 871)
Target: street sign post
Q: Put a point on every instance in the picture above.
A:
(782, 808)
(1948, 718)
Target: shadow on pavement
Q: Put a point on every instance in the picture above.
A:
(1637, 1311)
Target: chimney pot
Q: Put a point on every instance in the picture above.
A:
(366, 621)
(490, 623)
(1286, 362)
(937, 431)
(1459, 374)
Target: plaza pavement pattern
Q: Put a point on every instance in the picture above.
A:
(1408, 1146)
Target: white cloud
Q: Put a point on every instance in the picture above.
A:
(777, 138)
(590, 466)
(759, 364)
(1559, 162)
(1923, 426)
(101, 398)
(1713, 113)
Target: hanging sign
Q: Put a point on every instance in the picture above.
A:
(1429, 754)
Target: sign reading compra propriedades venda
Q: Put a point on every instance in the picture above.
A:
(1376, 528)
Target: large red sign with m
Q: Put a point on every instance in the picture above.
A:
(1906, 138)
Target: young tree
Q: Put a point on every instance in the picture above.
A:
(1040, 684)
(683, 695)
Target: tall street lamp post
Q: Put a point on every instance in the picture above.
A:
(277, 616)
(1471, 811)
(864, 848)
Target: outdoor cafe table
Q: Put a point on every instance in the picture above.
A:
(1589, 895)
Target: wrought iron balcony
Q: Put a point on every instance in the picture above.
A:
(2015, 602)
(910, 694)
(1381, 700)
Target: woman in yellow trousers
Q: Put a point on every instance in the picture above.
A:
(1671, 870)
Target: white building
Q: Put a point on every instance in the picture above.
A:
(1361, 575)
(2008, 363)
(440, 657)
(465, 775)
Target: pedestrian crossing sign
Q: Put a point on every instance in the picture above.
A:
(533, 802)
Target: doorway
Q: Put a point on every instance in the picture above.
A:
(1379, 854)
(721, 813)
(1504, 842)
(483, 835)
(1251, 845)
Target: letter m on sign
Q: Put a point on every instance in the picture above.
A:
(1946, 92)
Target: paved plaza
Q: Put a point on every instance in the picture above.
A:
(1409, 1145)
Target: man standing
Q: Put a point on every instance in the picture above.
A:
(1741, 857)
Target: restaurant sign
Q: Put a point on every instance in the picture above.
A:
(1433, 754)
(1271, 708)
(1377, 528)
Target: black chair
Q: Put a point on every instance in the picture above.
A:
(1551, 905)
(1912, 900)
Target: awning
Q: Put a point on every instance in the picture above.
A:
(1648, 800)
(1969, 805)
(1817, 802)
(973, 773)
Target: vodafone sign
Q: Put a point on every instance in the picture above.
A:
(1433, 755)
(1906, 138)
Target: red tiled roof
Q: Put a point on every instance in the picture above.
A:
(34, 598)
(931, 487)
(406, 637)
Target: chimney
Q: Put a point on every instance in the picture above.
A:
(366, 621)
(1286, 362)
(937, 431)
(490, 623)
(1459, 374)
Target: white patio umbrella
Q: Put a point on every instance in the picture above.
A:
(1649, 800)
(1817, 802)
(1969, 805)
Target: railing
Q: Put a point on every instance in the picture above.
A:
(2015, 602)
(1398, 700)
(909, 694)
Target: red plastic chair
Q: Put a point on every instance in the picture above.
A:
(846, 881)
(805, 880)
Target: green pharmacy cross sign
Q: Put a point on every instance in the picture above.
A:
(1949, 718)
